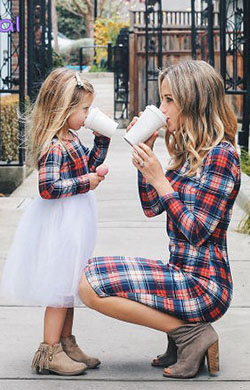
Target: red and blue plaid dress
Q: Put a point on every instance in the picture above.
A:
(63, 171)
(196, 284)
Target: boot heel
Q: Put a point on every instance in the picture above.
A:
(44, 371)
(213, 358)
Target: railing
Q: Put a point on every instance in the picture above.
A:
(171, 19)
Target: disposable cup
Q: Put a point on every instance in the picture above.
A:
(100, 122)
(151, 120)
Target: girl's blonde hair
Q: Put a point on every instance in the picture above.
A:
(59, 96)
(205, 117)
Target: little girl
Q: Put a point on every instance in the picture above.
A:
(56, 234)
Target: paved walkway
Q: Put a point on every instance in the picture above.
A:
(124, 349)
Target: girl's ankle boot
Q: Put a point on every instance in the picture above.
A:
(169, 357)
(53, 360)
(71, 348)
(193, 342)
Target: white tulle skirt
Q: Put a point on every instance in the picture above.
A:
(53, 242)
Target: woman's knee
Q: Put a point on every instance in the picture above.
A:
(86, 293)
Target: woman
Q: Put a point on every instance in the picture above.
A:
(183, 297)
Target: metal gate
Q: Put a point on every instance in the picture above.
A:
(12, 68)
(153, 43)
(235, 50)
(39, 44)
(202, 29)
(121, 74)
(20, 75)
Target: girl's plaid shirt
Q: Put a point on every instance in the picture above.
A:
(198, 213)
(64, 172)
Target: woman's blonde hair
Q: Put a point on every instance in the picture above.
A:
(205, 117)
(59, 96)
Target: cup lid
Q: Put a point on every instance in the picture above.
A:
(157, 111)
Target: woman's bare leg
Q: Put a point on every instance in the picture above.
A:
(53, 324)
(68, 323)
(127, 310)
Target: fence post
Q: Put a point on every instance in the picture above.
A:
(21, 61)
(80, 59)
(109, 61)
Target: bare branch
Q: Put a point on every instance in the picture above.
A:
(80, 8)
(90, 5)
(68, 7)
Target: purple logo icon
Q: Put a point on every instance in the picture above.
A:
(11, 26)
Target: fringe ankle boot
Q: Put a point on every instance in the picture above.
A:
(50, 359)
(71, 348)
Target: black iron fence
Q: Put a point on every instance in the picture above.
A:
(12, 72)
(227, 27)
(22, 74)
(235, 57)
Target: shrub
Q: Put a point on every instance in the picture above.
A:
(244, 226)
(106, 30)
(9, 128)
(58, 60)
(245, 162)
(96, 68)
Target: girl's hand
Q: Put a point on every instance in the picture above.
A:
(134, 120)
(151, 140)
(148, 164)
(97, 134)
(95, 180)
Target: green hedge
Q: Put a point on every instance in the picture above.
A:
(9, 128)
(245, 162)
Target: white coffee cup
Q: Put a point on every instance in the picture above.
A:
(100, 122)
(152, 119)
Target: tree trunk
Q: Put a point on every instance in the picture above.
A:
(89, 25)
(54, 25)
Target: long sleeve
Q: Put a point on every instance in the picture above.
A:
(218, 179)
(51, 186)
(149, 198)
(98, 153)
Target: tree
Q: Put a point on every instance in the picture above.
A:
(70, 24)
(85, 10)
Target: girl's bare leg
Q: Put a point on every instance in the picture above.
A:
(126, 310)
(68, 323)
(53, 324)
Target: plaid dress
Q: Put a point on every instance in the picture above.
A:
(63, 170)
(196, 284)
(57, 231)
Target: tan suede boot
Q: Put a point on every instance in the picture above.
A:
(53, 360)
(193, 342)
(169, 357)
(75, 353)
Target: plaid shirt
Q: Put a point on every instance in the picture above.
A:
(198, 213)
(62, 174)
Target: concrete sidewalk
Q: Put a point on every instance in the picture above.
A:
(124, 349)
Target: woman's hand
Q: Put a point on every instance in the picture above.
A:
(148, 164)
(95, 180)
(151, 140)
